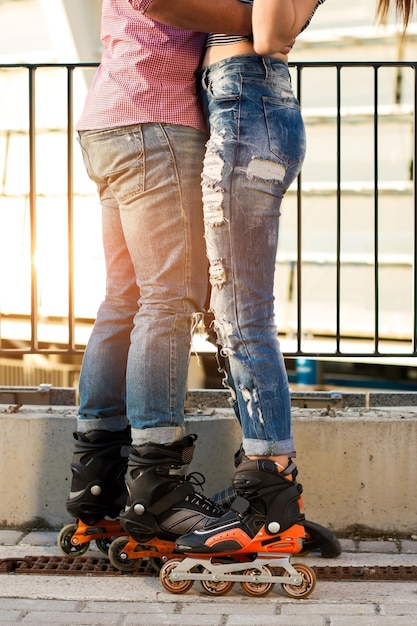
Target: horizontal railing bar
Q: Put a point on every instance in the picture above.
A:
(295, 64)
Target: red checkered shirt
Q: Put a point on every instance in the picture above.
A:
(147, 71)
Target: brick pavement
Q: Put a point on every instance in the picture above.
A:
(127, 601)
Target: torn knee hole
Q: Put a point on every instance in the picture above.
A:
(217, 274)
(266, 169)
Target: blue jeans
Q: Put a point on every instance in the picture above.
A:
(255, 151)
(136, 362)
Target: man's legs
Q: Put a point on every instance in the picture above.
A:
(136, 363)
(103, 432)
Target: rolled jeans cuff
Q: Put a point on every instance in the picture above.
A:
(112, 424)
(260, 447)
(163, 436)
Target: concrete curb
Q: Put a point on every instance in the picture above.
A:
(357, 464)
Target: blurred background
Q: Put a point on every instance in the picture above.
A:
(345, 284)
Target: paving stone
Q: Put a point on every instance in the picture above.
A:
(408, 547)
(380, 547)
(348, 545)
(39, 538)
(10, 537)
(10, 617)
(73, 619)
(370, 621)
(399, 609)
(145, 608)
(278, 620)
(331, 609)
(180, 620)
(251, 607)
(30, 604)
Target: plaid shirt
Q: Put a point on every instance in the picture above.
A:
(146, 72)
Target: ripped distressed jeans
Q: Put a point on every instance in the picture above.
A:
(255, 151)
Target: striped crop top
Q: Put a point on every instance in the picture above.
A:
(215, 39)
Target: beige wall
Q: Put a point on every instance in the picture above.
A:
(358, 467)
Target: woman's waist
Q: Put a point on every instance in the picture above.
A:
(221, 53)
(252, 67)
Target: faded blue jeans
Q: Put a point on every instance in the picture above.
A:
(255, 151)
(136, 361)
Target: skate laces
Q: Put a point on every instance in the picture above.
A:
(197, 479)
(204, 504)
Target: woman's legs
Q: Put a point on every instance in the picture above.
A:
(255, 151)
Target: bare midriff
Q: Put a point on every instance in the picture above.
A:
(219, 53)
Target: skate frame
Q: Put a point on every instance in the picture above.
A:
(228, 571)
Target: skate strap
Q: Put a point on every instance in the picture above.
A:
(289, 470)
(171, 499)
(240, 505)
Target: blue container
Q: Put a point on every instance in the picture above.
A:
(306, 371)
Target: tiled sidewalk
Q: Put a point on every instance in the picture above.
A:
(132, 601)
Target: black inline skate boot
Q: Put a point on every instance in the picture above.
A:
(318, 538)
(99, 464)
(266, 498)
(162, 501)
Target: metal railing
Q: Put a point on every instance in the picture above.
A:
(344, 104)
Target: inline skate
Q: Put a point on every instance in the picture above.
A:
(318, 538)
(162, 504)
(251, 543)
(98, 491)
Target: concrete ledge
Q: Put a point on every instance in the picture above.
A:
(357, 465)
(308, 398)
(43, 395)
(311, 397)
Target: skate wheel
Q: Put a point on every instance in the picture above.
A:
(64, 541)
(216, 587)
(118, 557)
(103, 545)
(306, 587)
(176, 586)
(254, 588)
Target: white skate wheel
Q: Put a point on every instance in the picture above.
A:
(96, 490)
(273, 528)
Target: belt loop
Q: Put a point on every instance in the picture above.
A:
(266, 67)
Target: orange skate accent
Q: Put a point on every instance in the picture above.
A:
(157, 548)
(236, 534)
(288, 542)
(102, 530)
